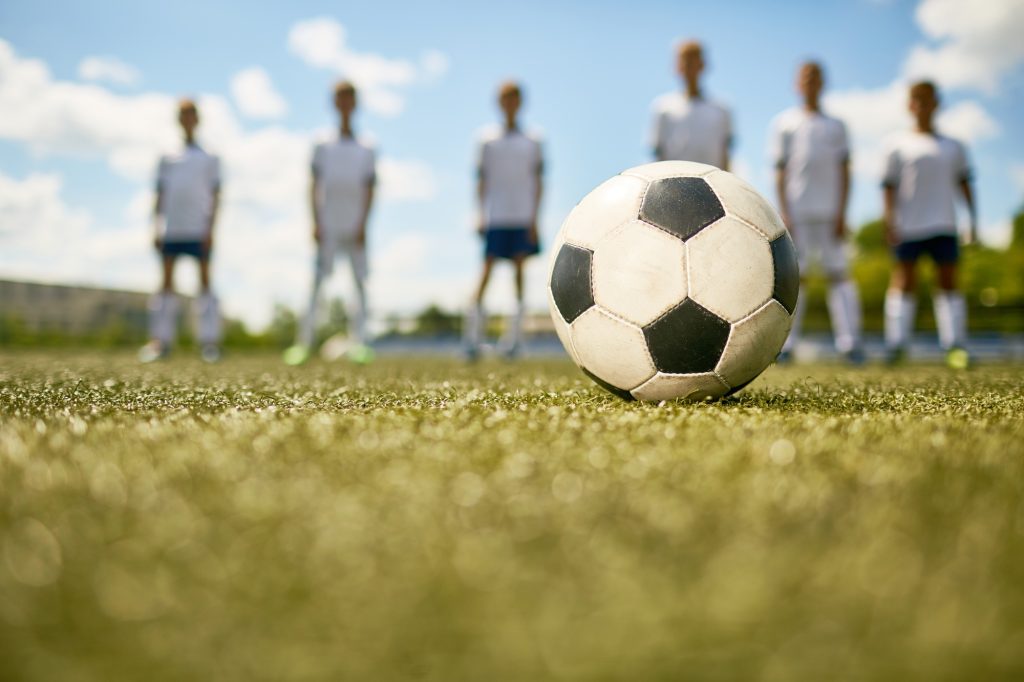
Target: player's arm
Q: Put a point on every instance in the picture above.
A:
(214, 208)
(538, 192)
(314, 205)
(844, 197)
(889, 215)
(968, 194)
(481, 193)
(780, 192)
(368, 194)
(158, 205)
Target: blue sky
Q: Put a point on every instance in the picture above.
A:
(77, 153)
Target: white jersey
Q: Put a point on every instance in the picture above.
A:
(811, 148)
(690, 129)
(187, 181)
(343, 169)
(509, 163)
(925, 170)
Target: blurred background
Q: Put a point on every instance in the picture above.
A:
(87, 92)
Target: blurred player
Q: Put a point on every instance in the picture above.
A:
(510, 167)
(924, 171)
(187, 197)
(687, 126)
(343, 179)
(812, 179)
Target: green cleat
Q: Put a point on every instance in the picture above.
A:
(296, 355)
(361, 354)
(958, 359)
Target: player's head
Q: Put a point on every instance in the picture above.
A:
(923, 99)
(345, 97)
(810, 80)
(510, 97)
(188, 115)
(690, 59)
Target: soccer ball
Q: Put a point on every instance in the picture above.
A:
(673, 280)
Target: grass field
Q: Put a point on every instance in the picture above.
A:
(428, 520)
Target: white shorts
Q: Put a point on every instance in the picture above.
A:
(817, 246)
(333, 249)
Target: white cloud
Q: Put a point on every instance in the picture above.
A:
(977, 43)
(1017, 173)
(323, 43)
(43, 238)
(255, 96)
(108, 69)
(263, 244)
(406, 180)
(971, 54)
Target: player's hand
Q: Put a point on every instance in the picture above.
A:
(890, 233)
(971, 238)
(481, 227)
(532, 234)
(158, 243)
(208, 243)
(317, 232)
(840, 228)
(361, 237)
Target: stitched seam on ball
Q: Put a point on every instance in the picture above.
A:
(752, 226)
(647, 351)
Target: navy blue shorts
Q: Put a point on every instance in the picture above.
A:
(944, 250)
(509, 243)
(194, 248)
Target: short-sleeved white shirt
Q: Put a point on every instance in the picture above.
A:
(343, 168)
(690, 129)
(811, 147)
(188, 181)
(509, 163)
(925, 170)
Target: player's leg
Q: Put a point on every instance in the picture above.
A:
(900, 302)
(514, 339)
(208, 314)
(303, 347)
(476, 316)
(950, 306)
(359, 309)
(804, 241)
(843, 300)
(163, 315)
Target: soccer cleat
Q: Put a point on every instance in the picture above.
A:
(855, 356)
(153, 351)
(361, 354)
(210, 353)
(296, 355)
(895, 356)
(958, 359)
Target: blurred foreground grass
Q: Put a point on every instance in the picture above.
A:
(428, 520)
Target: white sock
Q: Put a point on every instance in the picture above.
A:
(900, 311)
(474, 326)
(514, 335)
(798, 322)
(359, 314)
(951, 319)
(163, 317)
(208, 314)
(844, 310)
(307, 330)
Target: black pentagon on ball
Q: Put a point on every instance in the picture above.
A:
(787, 272)
(611, 388)
(682, 206)
(571, 282)
(687, 339)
